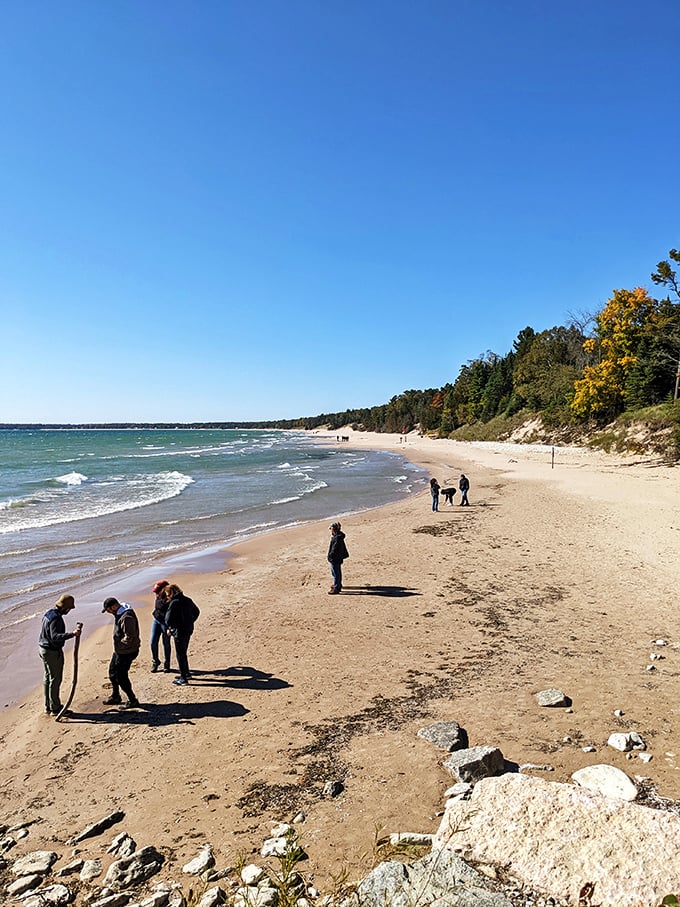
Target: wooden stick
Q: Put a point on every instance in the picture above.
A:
(75, 675)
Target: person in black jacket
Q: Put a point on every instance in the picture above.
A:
(337, 553)
(53, 635)
(180, 618)
(464, 486)
(158, 628)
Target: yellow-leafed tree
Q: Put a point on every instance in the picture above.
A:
(620, 328)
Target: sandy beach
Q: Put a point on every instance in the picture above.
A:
(555, 576)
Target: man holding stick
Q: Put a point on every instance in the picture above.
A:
(53, 635)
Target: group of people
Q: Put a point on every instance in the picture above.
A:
(463, 487)
(174, 616)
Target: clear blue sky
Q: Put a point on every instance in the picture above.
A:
(258, 209)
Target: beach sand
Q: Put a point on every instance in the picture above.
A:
(553, 577)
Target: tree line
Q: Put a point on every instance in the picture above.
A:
(624, 357)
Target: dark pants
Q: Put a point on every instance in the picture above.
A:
(119, 670)
(53, 664)
(336, 573)
(464, 501)
(181, 651)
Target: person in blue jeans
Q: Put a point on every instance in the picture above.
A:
(434, 491)
(464, 486)
(159, 629)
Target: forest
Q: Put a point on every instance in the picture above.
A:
(623, 358)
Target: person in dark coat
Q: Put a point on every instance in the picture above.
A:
(159, 629)
(53, 635)
(126, 644)
(337, 553)
(464, 486)
(180, 618)
(434, 491)
(448, 495)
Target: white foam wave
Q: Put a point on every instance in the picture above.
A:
(148, 490)
(285, 500)
(72, 478)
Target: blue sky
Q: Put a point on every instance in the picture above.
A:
(259, 210)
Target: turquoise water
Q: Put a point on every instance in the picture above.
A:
(79, 508)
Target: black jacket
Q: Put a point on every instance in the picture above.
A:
(181, 615)
(337, 550)
(53, 633)
(160, 609)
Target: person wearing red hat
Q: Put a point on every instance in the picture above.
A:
(159, 628)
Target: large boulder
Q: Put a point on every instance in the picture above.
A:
(441, 879)
(557, 838)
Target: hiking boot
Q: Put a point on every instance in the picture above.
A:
(112, 700)
(167, 669)
(180, 681)
(155, 666)
(131, 704)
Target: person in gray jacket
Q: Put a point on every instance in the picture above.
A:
(125, 649)
(53, 635)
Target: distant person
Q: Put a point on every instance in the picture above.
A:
(464, 486)
(53, 635)
(448, 495)
(337, 553)
(159, 628)
(180, 618)
(126, 644)
(434, 491)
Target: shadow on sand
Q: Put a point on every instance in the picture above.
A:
(389, 591)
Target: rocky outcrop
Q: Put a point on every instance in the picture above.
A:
(558, 838)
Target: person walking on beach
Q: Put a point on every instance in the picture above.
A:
(434, 491)
(126, 644)
(180, 618)
(53, 635)
(464, 486)
(337, 553)
(159, 629)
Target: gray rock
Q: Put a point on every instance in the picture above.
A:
(645, 757)
(534, 767)
(212, 897)
(552, 698)
(606, 780)
(462, 788)
(24, 883)
(200, 864)
(447, 735)
(475, 763)
(274, 847)
(252, 874)
(54, 894)
(411, 837)
(123, 845)
(255, 897)
(112, 900)
(7, 843)
(96, 828)
(37, 861)
(441, 879)
(70, 868)
(333, 789)
(625, 742)
(129, 871)
(91, 870)
(280, 830)
(559, 837)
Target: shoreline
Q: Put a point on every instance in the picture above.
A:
(550, 578)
